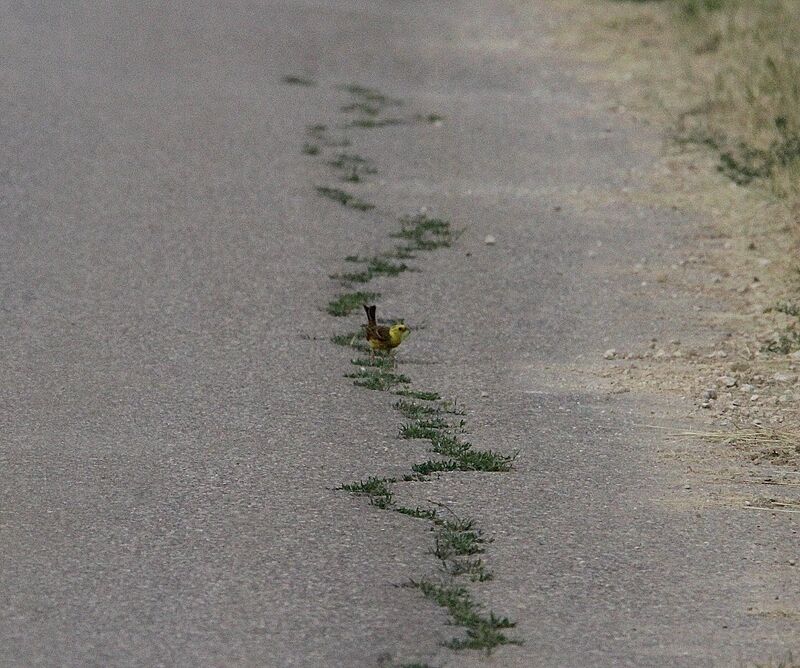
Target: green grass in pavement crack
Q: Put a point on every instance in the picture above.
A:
(423, 428)
(429, 118)
(377, 361)
(419, 513)
(424, 233)
(375, 266)
(371, 95)
(377, 379)
(431, 466)
(362, 108)
(417, 394)
(310, 149)
(413, 410)
(369, 123)
(298, 81)
(475, 569)
(351, 340)
(352, 166)
(376, 489)
(458, 538)
(321, 134)
(346, 303)
(482, 631)
(344, 198)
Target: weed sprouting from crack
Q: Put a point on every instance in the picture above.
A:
(483, 632)
(310, 149)
(362, 108)
(371, 95)
(321, 134)
(377, 379)
(376, 489)
(418, 394)
(295, 80)
(345, 304)
(419, 513)
(458, 538)
(344, 198)
(424, 233)
(429, 118)
(353, 166)
(376, 361)
(376, 266)
(429, 428)
(370, 123)
(413, 410)
(351, 340)
(475, 569)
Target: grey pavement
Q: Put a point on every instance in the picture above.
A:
(174, 419)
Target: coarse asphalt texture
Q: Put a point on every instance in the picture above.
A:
(174, 419)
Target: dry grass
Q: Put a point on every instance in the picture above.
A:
(760, 444)
(722, 73)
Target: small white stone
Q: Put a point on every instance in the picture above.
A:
(610, 354)
(490, 240)
(728, 381)
(784, 377)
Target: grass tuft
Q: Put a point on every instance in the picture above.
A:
(345, 304)
(424, 233)
(377, 379)
(418, 394)
(298, 81)
(344, 198)
(375, 266)
(377, 489)
(482, 632)
(413, 410)
(419, 513)
(423, 428)
(376, 361)
(371, 95)
(370, 123)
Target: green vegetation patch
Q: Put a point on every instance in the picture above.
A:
(346, 303)
(369, 123)
(482, 631)
(372, 95)
(295, 80)
(377, 379)
(344, 198)
(375, 266)
(376, 489)
(414, 410)
(417, 394)
(424, 233)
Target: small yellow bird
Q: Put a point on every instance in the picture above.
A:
(381, 337)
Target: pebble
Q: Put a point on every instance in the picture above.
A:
(610, 354)
(489, 240)
(784, 377)
(728, 381)
(710, 393)
(747, 388)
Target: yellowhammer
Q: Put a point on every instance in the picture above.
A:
(381, 337)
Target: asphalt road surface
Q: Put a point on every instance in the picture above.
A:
(174, 419)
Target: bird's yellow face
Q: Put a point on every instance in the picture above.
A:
(398, 333)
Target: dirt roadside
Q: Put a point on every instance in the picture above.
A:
(738, 381)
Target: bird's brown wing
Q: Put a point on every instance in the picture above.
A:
(377, 333)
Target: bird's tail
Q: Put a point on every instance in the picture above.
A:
(370, 314)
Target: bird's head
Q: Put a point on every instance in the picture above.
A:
(399, 331)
